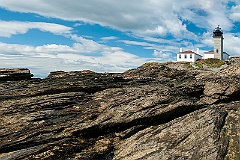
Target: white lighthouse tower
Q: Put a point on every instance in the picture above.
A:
(218, 43)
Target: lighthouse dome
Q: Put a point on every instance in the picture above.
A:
(217, 32)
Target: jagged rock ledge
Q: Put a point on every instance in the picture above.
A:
(14, 74)
(151, 112)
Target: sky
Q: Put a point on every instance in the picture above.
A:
(110, 35)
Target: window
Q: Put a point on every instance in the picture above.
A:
(179, 56)
(217, 50)
(185, 56)
(190, 56)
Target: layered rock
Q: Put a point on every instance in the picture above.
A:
(193, 136)
(14, 74)
(151, 112)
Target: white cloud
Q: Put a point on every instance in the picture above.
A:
(145, 44)
(231, 44)
(163, 55)
(46, 58)
(159, 30)
(171, 46)
(235, 13)
(138, 16)
(8, 28)
(52, 49)
(109, 38)
(207, 39)
(87, 46)
(206, 13)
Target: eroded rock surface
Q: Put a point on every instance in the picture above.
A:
(193, 136)
(14, 74)
(152, 112)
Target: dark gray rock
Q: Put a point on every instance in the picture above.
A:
(193, 136)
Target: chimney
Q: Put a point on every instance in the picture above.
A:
(197, 50)
(180, 50)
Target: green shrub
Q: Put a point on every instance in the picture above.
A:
(199, 64)
(150, 63)
(213, 62)
(210, 63)
(188, 65)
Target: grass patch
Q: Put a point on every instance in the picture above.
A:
(150, 64)
(210, 63)
(199, 64)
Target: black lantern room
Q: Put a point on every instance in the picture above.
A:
(217, 32)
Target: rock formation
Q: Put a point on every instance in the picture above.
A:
(151, 112)
(14, 74)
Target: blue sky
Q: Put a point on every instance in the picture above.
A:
(108, 35)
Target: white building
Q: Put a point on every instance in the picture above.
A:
(210, 54)
(188, 56)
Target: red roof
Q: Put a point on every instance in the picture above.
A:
(209, 52)
(187, 52)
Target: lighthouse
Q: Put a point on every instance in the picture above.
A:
(218, 43)
(217, 52)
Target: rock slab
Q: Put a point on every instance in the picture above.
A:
(14, 74)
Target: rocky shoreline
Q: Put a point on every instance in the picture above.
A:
(152, 112)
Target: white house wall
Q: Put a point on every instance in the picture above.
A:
(206, 56)
(187, 59)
